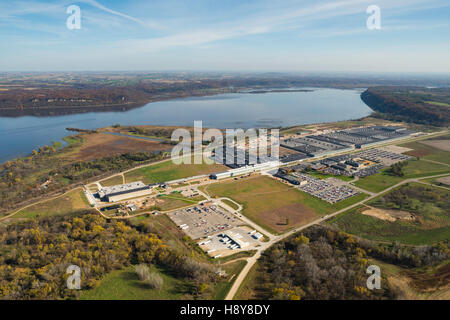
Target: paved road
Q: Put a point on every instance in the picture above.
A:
(252, 260)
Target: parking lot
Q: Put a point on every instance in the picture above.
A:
(330, 190)
(203, 220)
(230, 241)
(378, 159)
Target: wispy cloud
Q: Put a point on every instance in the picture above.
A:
(277, 20)
(120, 14)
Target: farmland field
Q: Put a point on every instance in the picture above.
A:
(112, 181)
(431, 149)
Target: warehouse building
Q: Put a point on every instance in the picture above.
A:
(245, 170)
(124, 191)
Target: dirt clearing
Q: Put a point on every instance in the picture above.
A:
(388, 215)
(285, 217)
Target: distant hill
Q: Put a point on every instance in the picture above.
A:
(412, 104)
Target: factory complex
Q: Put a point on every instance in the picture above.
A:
(326, 144)
(124, 191)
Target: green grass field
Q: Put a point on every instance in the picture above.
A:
(269, 202)
(70, 202)
(230, 204)
(427, 152)
(175, 201)
(112, 181)
(414, 169)
(432, 223)
(125, 285)
(375, 229)
(168, 171)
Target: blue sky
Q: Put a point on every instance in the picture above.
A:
(226, 35)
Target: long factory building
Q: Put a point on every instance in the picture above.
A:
(344, 140)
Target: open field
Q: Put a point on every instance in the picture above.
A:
(354, 222)
(443, 145)
(428, 205)
(231, 204)
(168, 171)
(98, 145)
(431, 149)
(443, 182)
(112, 181)
(271, 203)
(414, 169)
(125, 285)
(175, 201)
(70, 202)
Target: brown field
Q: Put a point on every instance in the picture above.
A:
(297, 214)
(444, 180)
(100, 145)
(443, 145)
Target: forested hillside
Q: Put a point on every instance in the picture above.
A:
(411, 104)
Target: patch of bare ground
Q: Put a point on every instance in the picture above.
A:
(388, 215)
(288, 216)
(444, 180)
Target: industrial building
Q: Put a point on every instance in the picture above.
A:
(124, 191)
(330, 143)
(235, 157)
(245, 170)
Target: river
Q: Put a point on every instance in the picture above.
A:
(19, 136)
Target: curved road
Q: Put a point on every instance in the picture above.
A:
(252, 260)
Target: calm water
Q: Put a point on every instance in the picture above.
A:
(18, 136)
